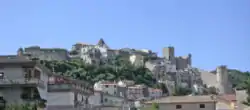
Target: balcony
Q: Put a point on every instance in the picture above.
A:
(59, 87)
(68, 87)
(22, 82)
(59, 83)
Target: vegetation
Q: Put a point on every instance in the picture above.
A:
(180, 91)
(21, 107)
(115, 69)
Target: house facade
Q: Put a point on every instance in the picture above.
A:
(185, 103)
(23, 80)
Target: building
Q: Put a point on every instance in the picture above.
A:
(155, 93)
(67, 93)
(181, 62)
(91, 54)
(137, 92)
(23, 80)
(185, 103)
(100, 100)
(44, 53)
(106, 87)
(222, 82)
(137, 60)
(188, 77)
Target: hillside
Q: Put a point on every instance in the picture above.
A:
(112, 71)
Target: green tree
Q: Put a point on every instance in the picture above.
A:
(180, 91)
(118, 68)
(20, 107)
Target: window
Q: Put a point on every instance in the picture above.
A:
(202, 105)
(37, 74)
(105, 100)
(1, 75)
(178, 106)
(106, 86)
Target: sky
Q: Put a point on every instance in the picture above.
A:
(215, 32)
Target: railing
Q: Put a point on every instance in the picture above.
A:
(67, 87)
(20, 81)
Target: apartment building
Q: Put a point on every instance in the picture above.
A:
(137, 92)
(68, 93)
(205, 102)
(23, 80)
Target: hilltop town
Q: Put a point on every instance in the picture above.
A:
(98, 77)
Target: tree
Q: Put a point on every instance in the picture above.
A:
(116, 69)
(20, 107)
(180, 91)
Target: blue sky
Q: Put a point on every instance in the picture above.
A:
(215, 31)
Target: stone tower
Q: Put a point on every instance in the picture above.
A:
(189, 60)
(168, 53)
(102, 43)
(20, 52)
(222, 79)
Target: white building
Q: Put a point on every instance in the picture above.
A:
(91, 54)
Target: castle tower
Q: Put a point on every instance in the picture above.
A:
(102, 43)
(20, 52)
(222, 79)
(189, 60)
(168, 53)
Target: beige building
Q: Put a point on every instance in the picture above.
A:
(206, 102)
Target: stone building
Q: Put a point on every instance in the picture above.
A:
(181, 62)
(91, 54)
(44, 53)
(219, 80)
